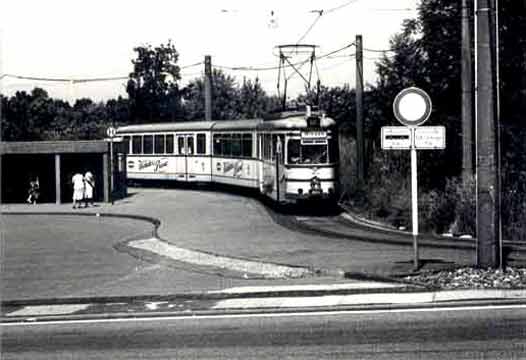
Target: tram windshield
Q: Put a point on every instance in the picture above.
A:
(306, 154)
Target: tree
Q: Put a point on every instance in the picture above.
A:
(426, 54)
(253, 101)
(26, 116)
(225, 98)
(152, 87)
(118, 111)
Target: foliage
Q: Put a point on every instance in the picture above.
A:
(230, 101)
(451, 210)
(153, 87)
(35, 116)
(426, 54)
(225, 97)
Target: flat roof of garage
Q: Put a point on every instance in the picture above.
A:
(53, 147)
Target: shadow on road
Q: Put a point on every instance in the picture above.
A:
(302, 207)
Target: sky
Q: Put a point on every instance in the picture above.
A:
(70, 39)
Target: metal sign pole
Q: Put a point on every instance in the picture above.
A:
(111, 170)
(414, 198)
(111, 134)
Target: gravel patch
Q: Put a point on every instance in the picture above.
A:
(472, 278)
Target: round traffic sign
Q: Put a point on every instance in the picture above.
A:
(111, 131)
(412, 106)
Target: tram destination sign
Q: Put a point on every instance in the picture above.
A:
(313, 137)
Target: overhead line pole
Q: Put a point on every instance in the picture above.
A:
(488, 192)
(360, 142)
(208, 88)
(467, 97)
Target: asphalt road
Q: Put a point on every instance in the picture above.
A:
(74, 256)
(461, 333)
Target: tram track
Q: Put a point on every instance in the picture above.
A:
(344, 225)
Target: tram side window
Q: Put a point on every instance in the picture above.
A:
(180, 145)
(169, 144)
(159, 144)
(278, 139)
(148, 144)
(126, 145)
(247, 145)
(267, 147)
(236, 145)
(217, 145)
(201, 144)
(137, 144)
(226, 145)
(190, 145)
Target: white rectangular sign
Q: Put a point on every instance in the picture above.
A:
(430, 137)
(396, 138)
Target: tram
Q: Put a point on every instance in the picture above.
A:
(289, 157)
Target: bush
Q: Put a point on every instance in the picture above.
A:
(512, 212)
(451, 210)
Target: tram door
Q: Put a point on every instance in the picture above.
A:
(185, 144)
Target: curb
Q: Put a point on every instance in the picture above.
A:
(381, 293)
(276, 304)
(432, 240)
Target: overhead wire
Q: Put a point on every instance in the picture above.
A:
(320, 13)
(79, 80)
(310, 27)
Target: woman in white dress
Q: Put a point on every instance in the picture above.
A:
(78, 189)
(89, 186)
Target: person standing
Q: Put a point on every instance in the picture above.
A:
(89, 187)
(34, 191)
(78, 189)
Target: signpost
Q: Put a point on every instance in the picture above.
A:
(111, 134)
(430, 137)
(396, 138)
(412, 107)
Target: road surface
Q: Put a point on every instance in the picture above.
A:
(454, 333)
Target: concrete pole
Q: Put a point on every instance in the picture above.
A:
(360, 143)
(208, 88)
(467, 97)
(488, 191)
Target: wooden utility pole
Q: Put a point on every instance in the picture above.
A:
(208, 88)
(467, 97)
(488, 192)
(360, 142)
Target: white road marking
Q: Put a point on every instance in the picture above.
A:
(309, 287)
(265, 315)
(155, 304)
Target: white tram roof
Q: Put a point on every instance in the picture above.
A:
(289, 123)
(166, 127)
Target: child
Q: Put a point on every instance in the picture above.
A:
(34, 191)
